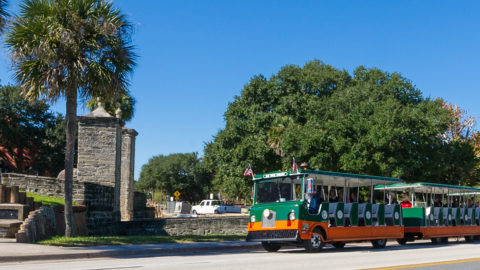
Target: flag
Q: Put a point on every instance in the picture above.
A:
(248, 171)
(294, 166)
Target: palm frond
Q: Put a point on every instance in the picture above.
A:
(71, 45)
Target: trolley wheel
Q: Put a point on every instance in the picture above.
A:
(315, 243)
(436, 240)
(444, 240)
(379, 243)
(402, 241)
(217, 212)
(338, 245)
(271, 247)
(469, 238)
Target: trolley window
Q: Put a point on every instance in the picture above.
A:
(278, 190)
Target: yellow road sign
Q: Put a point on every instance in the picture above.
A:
(176, 193)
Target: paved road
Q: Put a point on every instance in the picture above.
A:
(353, 256)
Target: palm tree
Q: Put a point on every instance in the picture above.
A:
(3, 14)
(71, 49)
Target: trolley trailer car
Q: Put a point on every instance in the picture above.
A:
(438, 211)
(310, 208)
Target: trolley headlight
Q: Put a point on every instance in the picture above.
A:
(252, 218)
(291, 215)
(266, 213)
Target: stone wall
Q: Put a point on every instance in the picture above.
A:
(141, 210)
(100, 216)
(48, 186)
(98, 199)
(49, 221)
(79, 220)
(127, 177)
(185, 226)
(39, 225)
(139, 200)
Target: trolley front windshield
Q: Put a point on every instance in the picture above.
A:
(278, 190)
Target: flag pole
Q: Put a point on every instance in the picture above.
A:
(294, 166)
(253, 177)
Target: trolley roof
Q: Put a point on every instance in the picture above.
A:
(424, 187)
(327, 178)
(468, 193)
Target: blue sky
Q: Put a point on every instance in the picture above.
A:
(195, 56)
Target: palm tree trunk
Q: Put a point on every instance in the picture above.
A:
(71, 120)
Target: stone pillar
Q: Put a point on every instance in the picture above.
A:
(127, 173)
(99, 161)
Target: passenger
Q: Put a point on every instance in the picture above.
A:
(340, 196)
(455, 203)
(405, 202)
(469, 203)
(315, 201)
(392, 199)
(437, 202)
(477, 204)
(353, 197)
(332, 196)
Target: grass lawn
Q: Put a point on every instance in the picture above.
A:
(83, 241)
(47, 200)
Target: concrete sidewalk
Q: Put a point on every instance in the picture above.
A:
(10, 251)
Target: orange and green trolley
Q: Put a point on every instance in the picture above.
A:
(311, 208)
(438, 211)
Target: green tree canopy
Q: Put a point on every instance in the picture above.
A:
(30, 133)
(462, 145)
(371, 122)
(125, 102)
(182, 172)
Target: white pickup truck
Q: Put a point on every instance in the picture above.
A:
(214, 207)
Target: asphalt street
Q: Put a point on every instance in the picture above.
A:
(455, 255)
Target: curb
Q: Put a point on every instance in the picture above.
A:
(119, 253)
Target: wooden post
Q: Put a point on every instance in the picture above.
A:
(29, 201)
(30, 204)
(7, 194)
(14, 194)
(22, 197)
(2, 193)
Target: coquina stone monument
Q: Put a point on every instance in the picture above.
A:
(106, 156)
